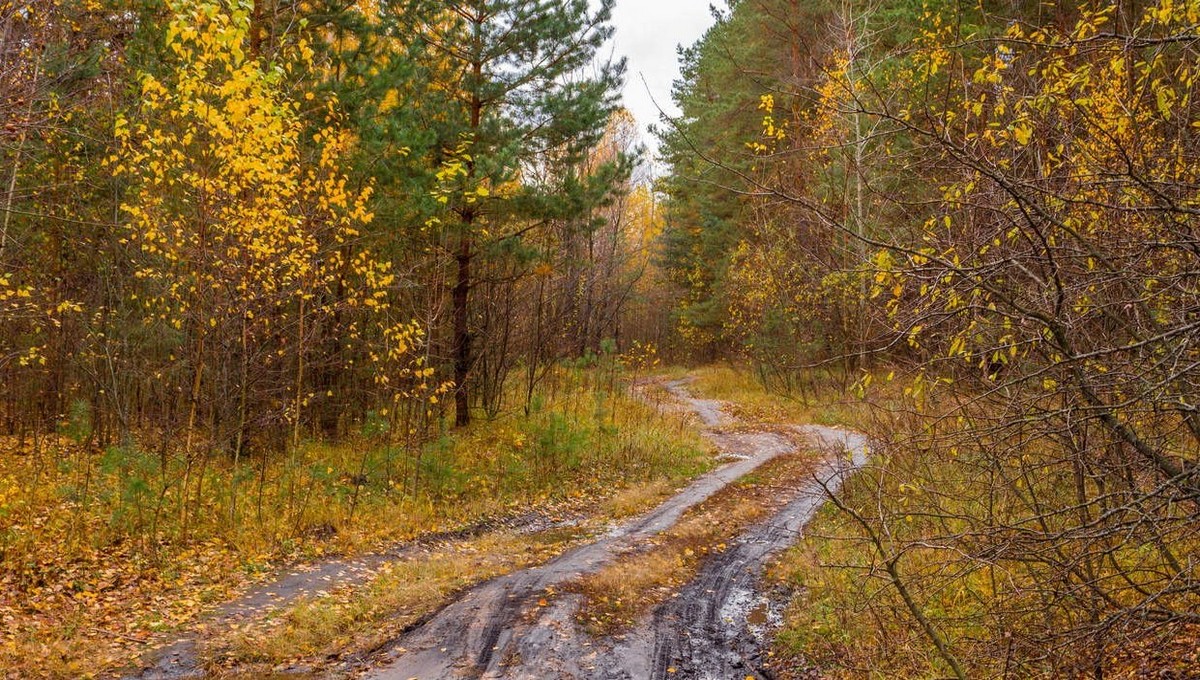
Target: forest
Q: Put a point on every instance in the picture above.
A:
(394, 299)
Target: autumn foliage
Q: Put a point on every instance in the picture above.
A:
(984, 218)
(282, 278)
(230, 238)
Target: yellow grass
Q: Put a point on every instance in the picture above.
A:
(102, 557)
(358, 618)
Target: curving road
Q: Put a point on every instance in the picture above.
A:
(519, 626)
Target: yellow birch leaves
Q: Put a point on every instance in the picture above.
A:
(246, 228)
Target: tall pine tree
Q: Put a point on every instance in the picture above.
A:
(517, 97)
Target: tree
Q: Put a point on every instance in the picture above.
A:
(1010, 198)
(1043, 308)
(62, 69)
(515, 109)
(241, 236)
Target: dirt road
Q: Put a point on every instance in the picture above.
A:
(522, 626)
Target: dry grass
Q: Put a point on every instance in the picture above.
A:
(351, 619)
(848, 621)
(358, 618)
(638, 498)
(102, 557)
(818, 399)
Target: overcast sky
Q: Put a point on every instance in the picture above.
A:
(648, 31)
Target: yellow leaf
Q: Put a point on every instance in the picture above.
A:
(1023, 133)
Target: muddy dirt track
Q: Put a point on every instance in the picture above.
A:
(520, 626)
(523, 625)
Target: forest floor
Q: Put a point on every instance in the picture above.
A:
(673, 592)
(108, 552)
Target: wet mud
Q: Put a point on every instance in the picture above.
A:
(521, 626)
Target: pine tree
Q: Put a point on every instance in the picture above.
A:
(516, 95)
(723, 76)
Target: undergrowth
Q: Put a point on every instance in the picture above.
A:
(101, 555)
(956, 532)
(820, 398)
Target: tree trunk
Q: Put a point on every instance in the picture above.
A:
(462, 334)
(462, 285)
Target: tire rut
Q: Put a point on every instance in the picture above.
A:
(469, 638)
(180, 660)
(709, 630)
(517, 626)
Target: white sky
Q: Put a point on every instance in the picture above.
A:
(647, 32)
